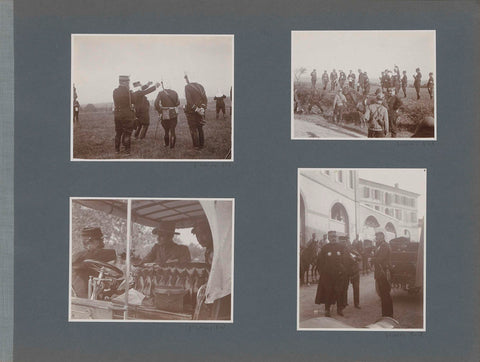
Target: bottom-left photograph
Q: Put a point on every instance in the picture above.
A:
(151, 260)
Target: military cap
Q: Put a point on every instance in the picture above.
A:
(332, 233)
(92, 232)
(137, 84)
(165, 227)
(417, 70)
(124, 78)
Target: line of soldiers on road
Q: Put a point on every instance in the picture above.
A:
(132, 111)
(338, 264)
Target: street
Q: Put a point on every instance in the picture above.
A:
(407, 308)
(315, 126)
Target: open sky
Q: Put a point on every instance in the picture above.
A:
(371, 51)
(98, 60)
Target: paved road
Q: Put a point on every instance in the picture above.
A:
(407, 309)
(317, 127)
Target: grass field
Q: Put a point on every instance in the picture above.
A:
(93, 138)
(411, 113)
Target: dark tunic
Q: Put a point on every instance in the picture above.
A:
(80, 274)
(161, 254)
(333, 274)
(196, 97)
(123, 101)
(142, 105)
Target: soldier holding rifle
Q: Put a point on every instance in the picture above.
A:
(166, 105)
(195, 112)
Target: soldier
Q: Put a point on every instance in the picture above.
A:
(381, 262)
(142, 108)
(333, 80)
(360, 80)
(376, 116)
(342, 79)
(417, 82)
(219, 104)
(382, 81)
(166, 105)
(325, 79)
(333, 274)
(339, 103)
(166, 250)
(195, 112)
(396, 80)
(76, 111)
(92, 240)
(404, 84)
(313, 76)
(124, 113)
(351, 80)
(430, 85)
(366, 84)
(394, 103)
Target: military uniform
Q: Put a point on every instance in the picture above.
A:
(142, 110)
(219, 105)
(376, 116)
(381, 262)
(404, 85)
(196, 102)
(430, 85)
(325, 80)
(366, 84)
(394, 103)
(341, 79)
(165, 104)
(339, 103)
(360, 80)
(313, 76)
(76, 111)
(417, 82)
(333, 80)
(351, 80)
(333, 275)
(124, 115)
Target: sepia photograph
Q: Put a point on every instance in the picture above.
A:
(364, 228)
(151, 260)
(363, 84)
(152, 97)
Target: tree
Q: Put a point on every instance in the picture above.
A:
(90, 108)
(298, 73)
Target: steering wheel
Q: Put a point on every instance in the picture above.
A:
(109, 269)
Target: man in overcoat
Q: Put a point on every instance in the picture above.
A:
(333, 274)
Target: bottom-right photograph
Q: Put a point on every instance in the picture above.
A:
(361, 249)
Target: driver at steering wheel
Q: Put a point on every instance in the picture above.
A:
(92, 239)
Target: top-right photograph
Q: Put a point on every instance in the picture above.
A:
(364, 84)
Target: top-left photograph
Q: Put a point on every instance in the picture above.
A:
(152, 97)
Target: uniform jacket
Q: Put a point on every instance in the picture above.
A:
(404, 80)
(339, 100)
(196, 97)
(220, 100)
(418, 79)
(325, 78)
(124, 103)
(166, 98)
(142, 105)
(381, 259)
(377, 117)
(394, 103)
(160, 254)
(331, 262)
(430, 82)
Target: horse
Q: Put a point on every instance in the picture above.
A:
(308, 262)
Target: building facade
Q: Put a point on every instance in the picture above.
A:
(339, 200)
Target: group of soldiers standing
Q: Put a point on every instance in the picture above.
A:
(379, 113)
(132, 112)
(338, 263)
